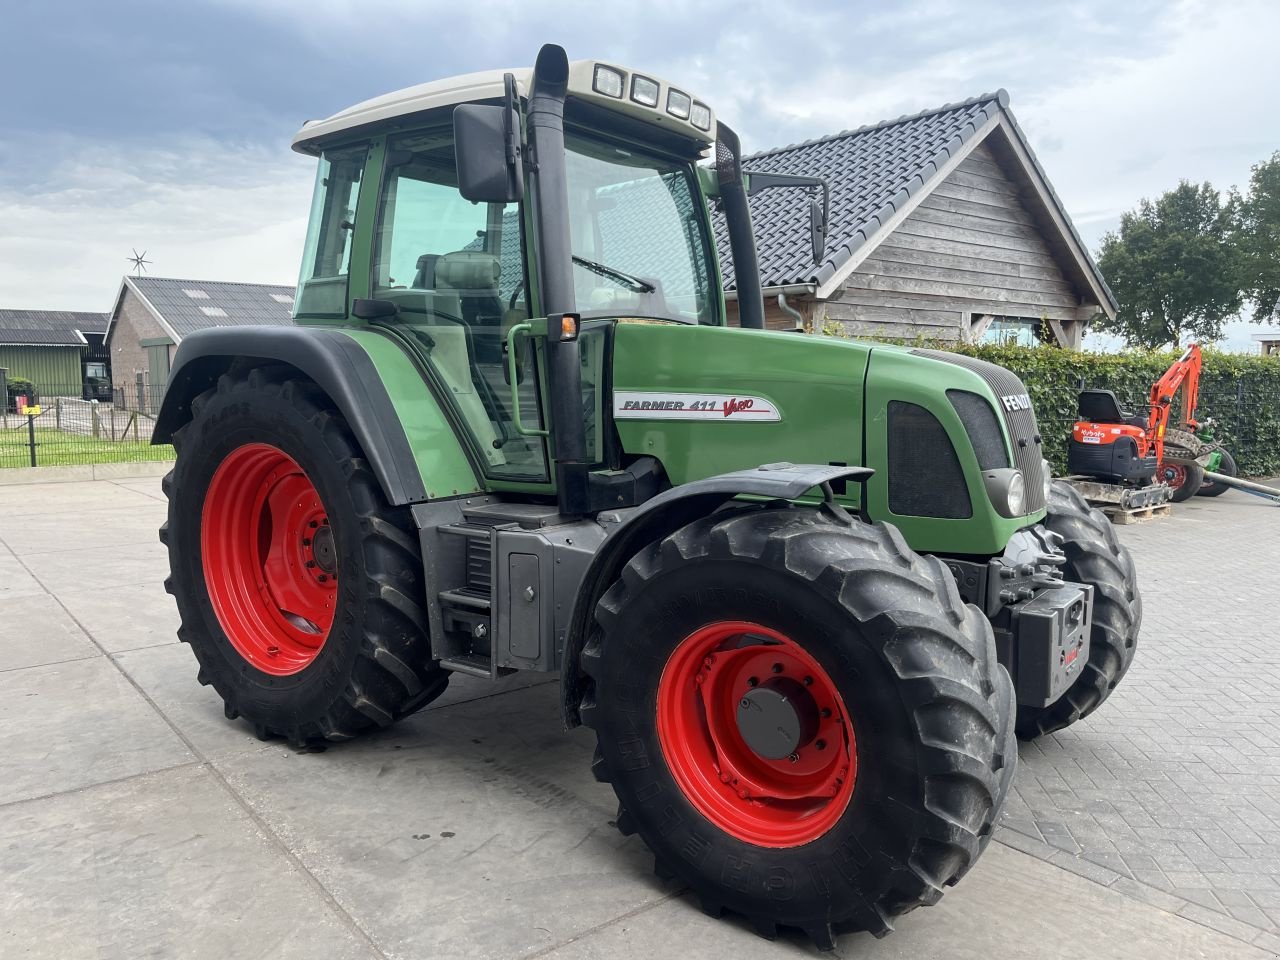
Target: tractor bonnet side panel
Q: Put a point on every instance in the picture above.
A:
(708, 400)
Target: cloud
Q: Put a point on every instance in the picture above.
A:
(200, 208)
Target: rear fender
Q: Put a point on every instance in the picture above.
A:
(339, 363)
(660, 516)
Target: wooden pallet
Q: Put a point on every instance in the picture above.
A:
(1120, 516)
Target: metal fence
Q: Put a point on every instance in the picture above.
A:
(64, 427)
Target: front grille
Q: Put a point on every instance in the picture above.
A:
(983, 428)
(1028, 452)
(925, 478)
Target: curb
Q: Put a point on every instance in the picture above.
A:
(14, 476)
(1125, 885)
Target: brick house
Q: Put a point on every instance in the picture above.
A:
(151, 315)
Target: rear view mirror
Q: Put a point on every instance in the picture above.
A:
(487, 171)
(819, 210)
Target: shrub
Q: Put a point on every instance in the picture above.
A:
(20, 387)
(1241, 393)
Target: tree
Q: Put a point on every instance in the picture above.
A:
(1174, 267)
(1259, 239)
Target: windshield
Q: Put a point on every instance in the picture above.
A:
(636, 226)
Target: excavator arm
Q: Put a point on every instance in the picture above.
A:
(1185, 371)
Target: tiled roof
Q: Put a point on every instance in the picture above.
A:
(871, 171)
(190, 305)
(49, 327)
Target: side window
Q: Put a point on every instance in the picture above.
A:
(326, 257)
(455, 269)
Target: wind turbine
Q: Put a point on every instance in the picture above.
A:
(139, 261)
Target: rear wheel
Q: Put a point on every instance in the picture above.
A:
(1184, 478)
(801, 719)
(1094, 557)
(1226, 467)
(298, 586)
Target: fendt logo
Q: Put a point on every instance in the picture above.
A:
(1016, 401)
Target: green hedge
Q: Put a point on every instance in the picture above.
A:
(1241, 393)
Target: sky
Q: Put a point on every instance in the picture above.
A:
(164, 125)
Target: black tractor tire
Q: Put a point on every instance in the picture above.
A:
(930, 706)
(374, 666)
(1227, 467)
(1095, 557)
(1192, 479)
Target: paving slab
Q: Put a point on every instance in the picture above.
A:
(35, 630)
(97, 532)
(124, 617)
(150, 486)
(1010, 905)
(65, 498)
(472, 831)
(67, 570)
(15, 580)
(65, 726)
(161, 865)
(167, 673)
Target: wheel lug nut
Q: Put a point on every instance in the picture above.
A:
(826, 714)
(724, 777)
(795, 757)
(808, 681)
(311, 563)
(306, 541)
(752, 681)
(777, 668)
(323, 578)
(313, 524)
(821, 744)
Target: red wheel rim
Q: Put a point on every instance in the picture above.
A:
(1174, 474)
(270, 566)
(767, 802)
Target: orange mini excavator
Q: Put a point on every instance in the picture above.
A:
(1134, 451)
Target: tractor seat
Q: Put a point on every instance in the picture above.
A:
(1101, 406)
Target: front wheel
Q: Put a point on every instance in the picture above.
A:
(801, 719)
(298, 586)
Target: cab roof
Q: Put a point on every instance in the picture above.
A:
(489, 85)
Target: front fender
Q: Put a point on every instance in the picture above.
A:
(662, 515)
(342, 364)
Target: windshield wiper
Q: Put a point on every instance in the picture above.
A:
(625, 279)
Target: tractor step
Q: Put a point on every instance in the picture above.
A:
(1120, 516)
(473, 665)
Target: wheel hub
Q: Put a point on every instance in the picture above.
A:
(322, 549)
(777, 718)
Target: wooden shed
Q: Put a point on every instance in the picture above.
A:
(943, 226)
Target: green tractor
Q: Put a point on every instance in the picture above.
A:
(804, 590)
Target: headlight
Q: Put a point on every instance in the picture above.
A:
(1048, 478)
(644, 90)
(1007, 490)
(701, 116)
(679, 104)
(607, 81)
(1017, 495)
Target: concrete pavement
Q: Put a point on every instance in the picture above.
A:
(136, 821)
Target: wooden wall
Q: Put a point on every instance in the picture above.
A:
(972, 247)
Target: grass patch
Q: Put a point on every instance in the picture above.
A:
(54, 448)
